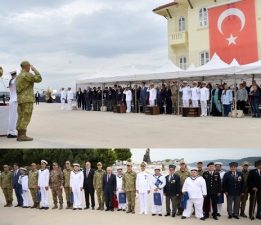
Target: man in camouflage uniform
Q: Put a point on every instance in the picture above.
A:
(244, 197)
(66, 186)
(129, 186)
(25, 98)
(98, 185)
(174, 96)
(33, 184)
(56, 185)
(183, 173)
(200, 168)
(7, 186)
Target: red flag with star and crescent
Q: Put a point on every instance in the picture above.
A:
(232, 32)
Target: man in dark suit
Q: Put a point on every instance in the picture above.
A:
(171, 190)
(213, 183)
(254, 188)
(143, 96)
(16, 186)
(88, 173)
(109, 188)
(37, 98)
(233, 188)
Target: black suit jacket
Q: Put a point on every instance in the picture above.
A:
(254, 180)
(110, 185)
(172, 187)
(88, 181)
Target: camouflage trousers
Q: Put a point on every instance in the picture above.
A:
(57, 192)
(131, 199)
(243, 202)
(67, 193)
(8, 193)
(174, 100)
(100, 197)
(34, 194)
(24, 115)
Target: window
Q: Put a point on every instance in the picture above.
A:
(203, 17)
(204, 58)
(182, 26)
(183, 62)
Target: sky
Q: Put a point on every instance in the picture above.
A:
(68, 40)
(194, 155)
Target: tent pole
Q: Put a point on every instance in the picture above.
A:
(103, 85)
(178, 100)
(235, 93)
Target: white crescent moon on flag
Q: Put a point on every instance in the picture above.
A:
(231, 12)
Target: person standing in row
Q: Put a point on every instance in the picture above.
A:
(56, 185)
(43, 185)
(69, 98)
(37, 98)
(97, 184)
(204, 97)
(6, 179)
(128, 95)
(67, 173)
(143, 188)
(195, 94)
(152, 95)
(16, 186)
(186, 94)
(171, 191)
(63, 98)
(143, 96)
(226, 99)
(129, 186)
(213, 183)
(200, 168)
(109, 188)
(88, 174)
(244, 197)
(76, 185)
(33, 184)
(119, 182)
(220, 199)
(23, 181)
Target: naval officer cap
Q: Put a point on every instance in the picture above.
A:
(24, 169)
(233, 164)
(13, 73)
(44, 161)
(143, 164)
(25, 63)
(219, 163)
(258, 162)
(210, 164)
(171, 166)
(76, 164)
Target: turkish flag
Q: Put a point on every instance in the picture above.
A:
(232, 32)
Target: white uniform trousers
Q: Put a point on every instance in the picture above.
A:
(152, 102)
(195, 103)
(62, 104)
(69, 107)
(122, 205)
(157, 209)
(44, 197)
(198, 204)
(77, 198)
(219, 208)
(185, 103)
(204, 109)
(12, 118)
(128, 103)
(143, 198)
(25, 196)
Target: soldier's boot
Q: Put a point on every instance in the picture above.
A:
(133, 209)
(10, 204)
(7, 203)
(129, 209)
(34, 206)
(38, 205)
(22, 136)
(68, 205)
(71, 205)
(61, 206)
(102, 207)
(55, 206)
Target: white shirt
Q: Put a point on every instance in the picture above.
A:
(63, 95)
(12, 88)
(76, 180)
(70, 95)
(186, 92)
(195, 93)
(204, 94)
(196, 188)
(128, 94)
(119, 182)
(143, 182)
(23, 180)
(154, 180)
(153, 94)
(43, 178)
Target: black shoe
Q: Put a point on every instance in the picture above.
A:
(119, 209)
(86, 207)
(243, 215)
(236, 217)
(202, 218)
(17, 206)
(74, 208)
(230, 217)
(258, 217)
(252, 218)
(160, 214)
(46, 208)
(124, 210)
(79, 208)
(153, 214)
(11, 136)
(206, 216)
(218, 214)
(112, 210)
(183, 217)
(215, 218)
(41, 208)
(167, 214)
(173, 215)
(106, 210)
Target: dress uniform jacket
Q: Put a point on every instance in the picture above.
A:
(213, 182)
(233, 185)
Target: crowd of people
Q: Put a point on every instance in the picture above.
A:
(216, 100)
(184, 190)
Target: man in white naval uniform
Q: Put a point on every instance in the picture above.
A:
(128, 99)
(69, 98)
(196, 188)
(186, 93)
(152, 95)
(218, 168)
(204, 97)
(157, 184)
(121, 206)
(63, 98)
(43, 184)
(12, 132)
(76, 185)
(143, 188)
(195, 94)
(23, 180)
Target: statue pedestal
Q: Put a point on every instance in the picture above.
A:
(4, 112)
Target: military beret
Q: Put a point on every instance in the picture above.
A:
(245, 163)
(143, 164)
(218, 163)
(76, 164)
(25, 63)
(129, 163)
(13, 73)
(22, 168)
(233, 164)
(258, 162)
(172, 166)
(44, 161)
(210, 164)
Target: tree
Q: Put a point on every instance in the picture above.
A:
(122, 154)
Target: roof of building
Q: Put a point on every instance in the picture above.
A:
(164, 6)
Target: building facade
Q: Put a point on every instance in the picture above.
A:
(188, 29)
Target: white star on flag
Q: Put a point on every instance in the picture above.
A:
(231, 40)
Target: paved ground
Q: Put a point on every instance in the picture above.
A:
(53, 128)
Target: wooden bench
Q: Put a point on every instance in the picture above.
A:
(152, 110)
(190, 112)
(119, 109)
